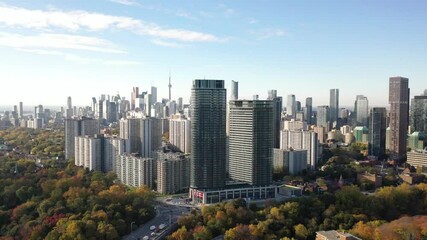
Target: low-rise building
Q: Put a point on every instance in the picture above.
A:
(335, 235)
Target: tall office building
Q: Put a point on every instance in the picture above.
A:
(69, 103)
(251, 141)
(323, 117)
(334, 105)
(75, 128)
(21, 109)
(133, 98)
(234, 90)
(180, 132)
(153, 95)
(277, 115)
(291, 106)
(399, 116)
(361, 106)
(208, 137)
(272, 94)
(377, 132)
(419, 113)
(308, 114)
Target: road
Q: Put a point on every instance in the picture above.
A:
(166, 214)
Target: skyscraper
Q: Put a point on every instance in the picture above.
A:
(291, 106)
(272, 94)
(251, 141)
(399, 116)
(419, 113)
(21, 110)
(361, 106)
(69, 103)
(208, 137)
(309, 110)
(323, 114)
(277, 115)
(153, 95)
(334, 105)
(377, 132)
(234, 90)
(133, 98)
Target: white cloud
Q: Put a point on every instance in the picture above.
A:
(82, 20)
(123, 62)
(185, 14)
(57, 41)
(268, 33)
(167, 44)
(125, 2)
(79, 59)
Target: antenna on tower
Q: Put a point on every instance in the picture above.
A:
(170, 86)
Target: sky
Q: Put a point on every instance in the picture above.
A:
(53, 49)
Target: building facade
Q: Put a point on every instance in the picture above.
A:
(399, 116)
(180, 132)
(251, 141)
(377, 132)
(208, 134)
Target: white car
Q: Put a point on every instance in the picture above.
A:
(145, 238)
(162, 226)
(152, 228)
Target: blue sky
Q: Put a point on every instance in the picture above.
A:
(53, 49)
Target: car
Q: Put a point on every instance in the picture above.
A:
(145, 238)
(152, 228)
(162, 226)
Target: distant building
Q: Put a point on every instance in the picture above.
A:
(419, 113)
(377, 132)
(308, 114)
(75, 128)
(173, 172)
(361, 134)
(323, 117)
(135, 171)
(418, 159)
(290, 161)
(97, 152)
(294, 125)
(143, 135)
(399, 116)
(180, 132)
(300, 140)
(416, 141)
(361, 107)
(334, 105)
(291, 106)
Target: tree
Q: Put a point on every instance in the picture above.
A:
(301, 231)
(240, 232)
(180, 234)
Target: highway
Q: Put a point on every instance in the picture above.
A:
(166, 214)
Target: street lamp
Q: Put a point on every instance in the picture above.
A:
(131, 226)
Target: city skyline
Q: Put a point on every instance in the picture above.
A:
(304, 48)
